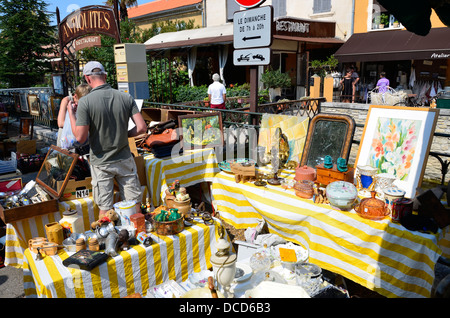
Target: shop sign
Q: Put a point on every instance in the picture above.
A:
(88, 41)
(304, 28)
(249, 3)
(88, 21)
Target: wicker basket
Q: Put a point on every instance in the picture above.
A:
(169, 227)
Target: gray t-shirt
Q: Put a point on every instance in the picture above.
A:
(107, 111)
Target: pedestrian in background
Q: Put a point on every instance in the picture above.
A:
(66, 138)
(217, 93)
(102, 117)
(355, 80)
(347, 86)
(383, 83)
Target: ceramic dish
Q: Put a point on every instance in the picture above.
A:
(300, 253)
(243, 273)
(200, 279)
(225, 165)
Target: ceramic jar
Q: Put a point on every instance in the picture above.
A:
(54, 232)
(71, 223)
(304, 189)
(383, 181)
(125, 209)
(390, 194)
(184, 207)
(224, 265)
(341, 195)
(305, 173)
(80, 244)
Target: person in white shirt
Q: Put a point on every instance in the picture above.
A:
(217, 93)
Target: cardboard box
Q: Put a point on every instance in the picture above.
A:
(26, 146)
(76, 189)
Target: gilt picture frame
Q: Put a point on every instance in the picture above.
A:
(33, 104)
(397, 140)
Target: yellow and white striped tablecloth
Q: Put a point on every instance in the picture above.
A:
(171, 257)
(192, 167)
(380, 255)
(19, 232)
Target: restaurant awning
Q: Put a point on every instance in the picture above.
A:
(222, 34)
(395, 45)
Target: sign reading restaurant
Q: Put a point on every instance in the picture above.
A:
(303, 28)
(88, 20)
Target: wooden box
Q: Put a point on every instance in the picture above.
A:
(174, 113)
(326, 176)
(58, 161)
(151, 114)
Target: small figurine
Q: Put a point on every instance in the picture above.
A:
(122, 243)
(328, 162)
(342, 165)
(175, 187)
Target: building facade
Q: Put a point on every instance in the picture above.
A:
(418, 64)
(210, 49)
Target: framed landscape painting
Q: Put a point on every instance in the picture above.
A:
(201, 130)
(397, 140)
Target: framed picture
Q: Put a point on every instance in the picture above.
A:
(45, 108)
(55, 102)
(17, 106)
(201, 130)
(397, 140)
(33, 104)
(23, 102)
(58, 84)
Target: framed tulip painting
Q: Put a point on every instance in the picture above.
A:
(397, 140)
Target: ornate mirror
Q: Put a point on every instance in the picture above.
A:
(328, 134)
(56, 170)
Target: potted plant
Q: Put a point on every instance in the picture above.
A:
(275, 81)
(395, 24)
(384, 20)
(206, 101)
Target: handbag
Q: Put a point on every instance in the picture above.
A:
(167, 137)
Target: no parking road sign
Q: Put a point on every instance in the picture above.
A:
(249, 3)
(253, 28)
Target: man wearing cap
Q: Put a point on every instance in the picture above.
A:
(103, 116)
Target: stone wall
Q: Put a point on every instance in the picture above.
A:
(440, 144)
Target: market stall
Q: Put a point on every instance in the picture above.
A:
(380, 255)
(18, 233)
(135, 270)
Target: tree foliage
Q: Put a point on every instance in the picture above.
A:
(26, 42)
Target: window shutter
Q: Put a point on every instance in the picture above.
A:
(232, 7)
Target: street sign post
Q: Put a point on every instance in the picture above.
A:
(253, 56)
(253, 28)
